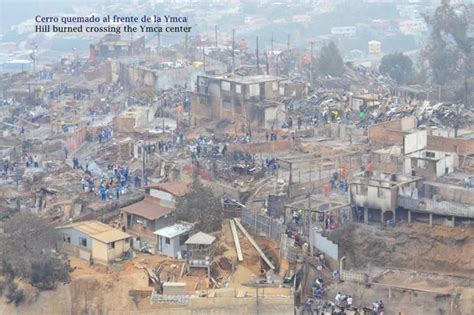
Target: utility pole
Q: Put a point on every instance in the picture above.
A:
(143, 159)
(266, 61)
(311, 240)
(272, 43)
(288, 41)
(457, 122)
(258, 59)
(201, 46)
(186, 38)
(233, 50)
(216, 35)
(158, 38)
(204, 61)
(256, 297)
(311, 68)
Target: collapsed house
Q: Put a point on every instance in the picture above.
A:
(111, 45)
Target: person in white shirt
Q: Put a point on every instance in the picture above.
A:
(349, 301)
(338, 297)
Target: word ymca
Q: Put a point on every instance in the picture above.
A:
(170, 19)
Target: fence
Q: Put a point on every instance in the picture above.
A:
(272, 229)
(353, 276)
(262, 225)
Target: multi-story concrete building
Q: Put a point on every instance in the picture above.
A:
(375, 195)
(251, 99)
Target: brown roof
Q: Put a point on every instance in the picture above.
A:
(148, 209)
(177, 189)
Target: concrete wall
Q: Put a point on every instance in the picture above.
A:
(383, 198)
(325, 245)
(415, 141)
(242, 306)
(446, 208)
(75, 235)
(449, 192)
(131, 74)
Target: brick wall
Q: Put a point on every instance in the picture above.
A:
(391, 132)
(460, 146)
(381, 134)
(75, 140)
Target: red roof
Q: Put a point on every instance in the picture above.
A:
(148, 208)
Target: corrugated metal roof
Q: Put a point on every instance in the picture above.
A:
(174, 230)
(98, 230)
(110, 236)
(200, 238)
(148, 209)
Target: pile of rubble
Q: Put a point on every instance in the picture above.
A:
(427, 113)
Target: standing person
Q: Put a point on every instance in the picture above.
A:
(349, 301)
(66, 152)
(117, 192)
(370, 169)
(103, 193)
(35, 161)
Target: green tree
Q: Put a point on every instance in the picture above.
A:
(201, 206)
(329, 61)
(398, 66)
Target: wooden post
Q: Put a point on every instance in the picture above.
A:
(254, 244)
(270, 230)
(255, 226)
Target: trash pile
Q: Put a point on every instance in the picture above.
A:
(427, 113)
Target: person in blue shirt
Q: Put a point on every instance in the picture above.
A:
(103, 193)
(117, 192)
